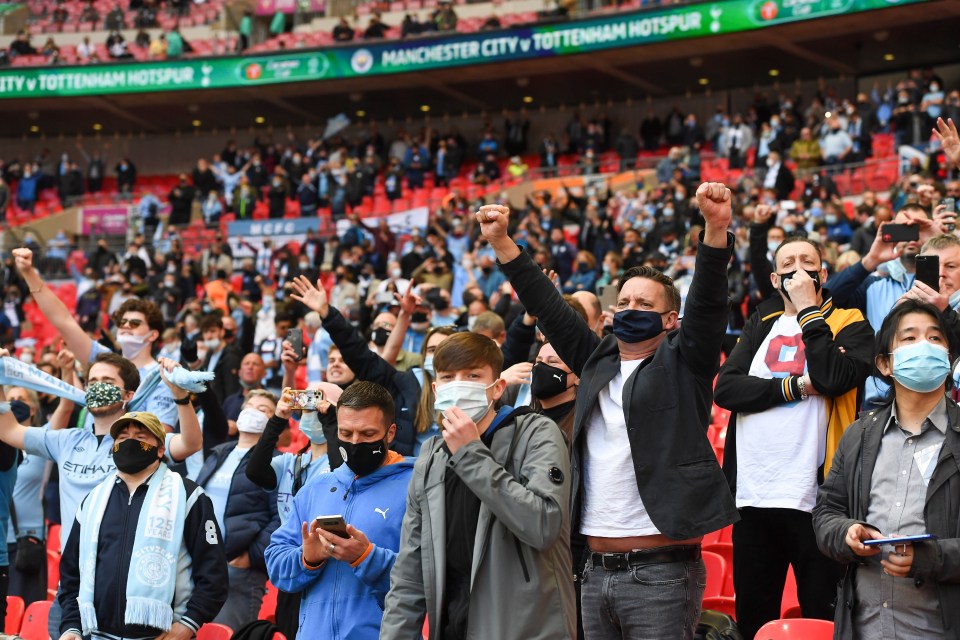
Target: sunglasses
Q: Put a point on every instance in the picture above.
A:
(133, 323)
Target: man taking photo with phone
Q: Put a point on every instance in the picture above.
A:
(344, 580)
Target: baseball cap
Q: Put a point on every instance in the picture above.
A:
(146, 420)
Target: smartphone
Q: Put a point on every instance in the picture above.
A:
(295, 338)
(608, 297)
(949, 204)
(307, 400)
(333, 524)
(900, 540)
(900, 232)
(928, 271)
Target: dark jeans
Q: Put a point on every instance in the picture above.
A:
(765, 543)
(288, 613)
(655, 601)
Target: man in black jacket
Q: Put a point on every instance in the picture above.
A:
(794, 382)
(131, 555)
(219, 357)
(646, 485)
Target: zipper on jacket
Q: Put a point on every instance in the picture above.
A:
(523, 562)
(121, 606)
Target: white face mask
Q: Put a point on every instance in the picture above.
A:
(132, 346)
(469, 397)
(251, 421)
(213, 344)
(396, 273)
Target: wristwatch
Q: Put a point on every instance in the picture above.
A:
(182, 401)
(803, 388)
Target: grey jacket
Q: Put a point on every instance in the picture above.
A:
(844, 498)
(521, 582)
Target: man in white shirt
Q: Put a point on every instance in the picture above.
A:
(835, 145)
(646, 485)
(794, 382)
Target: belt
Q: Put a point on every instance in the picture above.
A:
(655, 555)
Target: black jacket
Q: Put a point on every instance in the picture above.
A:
(227, 380)
(844, 499)
(251, 513)
(367, 365)
(835, 364)
(667, 401)
(114, 550)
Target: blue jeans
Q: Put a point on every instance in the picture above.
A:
(247, 588)
(644, 602)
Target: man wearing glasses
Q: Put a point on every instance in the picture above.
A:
(139, 326)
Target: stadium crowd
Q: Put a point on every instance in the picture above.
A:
(504, 394)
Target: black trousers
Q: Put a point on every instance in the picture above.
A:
(765, 543)
(29, 586)
(288, 613)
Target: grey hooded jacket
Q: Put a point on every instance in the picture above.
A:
(522, 578)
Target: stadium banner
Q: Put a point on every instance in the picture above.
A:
(423, 54)
(105, 220)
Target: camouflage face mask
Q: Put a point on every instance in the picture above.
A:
(102, 394)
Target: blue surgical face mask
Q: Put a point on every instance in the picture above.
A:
(772, 246)
(428, 364)
(310, 426)
(921, 367)
(469, 397)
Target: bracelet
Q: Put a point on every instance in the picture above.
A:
(803, 388)
(37, 290)
(312, 567)
(182, 401)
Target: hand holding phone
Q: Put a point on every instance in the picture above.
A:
(333, 524)
(895, 232)
(295, 338)
(307, 400)
(898, 540)
(928, 271)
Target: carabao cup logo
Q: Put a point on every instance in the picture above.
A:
(253, 71)
(362, 61)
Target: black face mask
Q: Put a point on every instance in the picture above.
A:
(547, 382)
(379, 336)
(418, 317)
(441, 304)
(133, 456)
(363, 458)
(786, 276)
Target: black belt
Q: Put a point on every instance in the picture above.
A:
(655, 555)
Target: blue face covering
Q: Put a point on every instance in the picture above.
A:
(310, 427)
(921, 367)
(634, 325)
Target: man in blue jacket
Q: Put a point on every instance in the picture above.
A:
(344, 580)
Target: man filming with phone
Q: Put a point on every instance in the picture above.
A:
(341, 540)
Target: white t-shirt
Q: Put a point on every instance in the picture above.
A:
(780, 449)
(218, 486)
(612, 507)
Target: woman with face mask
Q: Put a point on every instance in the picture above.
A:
(895, 474)
(247, 514)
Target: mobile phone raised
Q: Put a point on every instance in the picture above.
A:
(333, 524)
(295, 338)
(900, 540)
(307, 400)
(608, 297)
(928, 271)
(900, 232)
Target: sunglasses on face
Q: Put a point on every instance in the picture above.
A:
(133, 323)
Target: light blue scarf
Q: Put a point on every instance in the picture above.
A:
(19, 374)
(158, 573)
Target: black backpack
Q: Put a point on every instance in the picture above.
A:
(256, 630)
(715, 626)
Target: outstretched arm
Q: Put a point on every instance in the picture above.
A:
(52, 308)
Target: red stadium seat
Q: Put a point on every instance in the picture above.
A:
(53, 538)
(796, 629)
(15, 608)
(716, 574)
(790, 599)
(53, 573)
(792, 612)
(268, 610)
(214, 631)
(725, 551)
(34, 625)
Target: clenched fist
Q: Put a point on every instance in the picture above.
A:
(493, 220)
(23, 258)
(715, 202)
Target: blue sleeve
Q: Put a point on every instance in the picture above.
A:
(96, 349)
(160, 403)
(44, 443)
(849, 287)
(283, 555)
(375, 570)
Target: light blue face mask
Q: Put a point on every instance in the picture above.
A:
(310, 427)
(428, 364)
(921, 367)
(470, 397)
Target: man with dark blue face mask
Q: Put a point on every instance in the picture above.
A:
(646, 485)
(793, 382)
